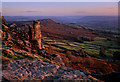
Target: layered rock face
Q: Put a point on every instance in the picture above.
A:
(32, 36)
(35, 35)
(36, 70)
(5, 30)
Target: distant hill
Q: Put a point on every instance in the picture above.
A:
(109, 23)
(63, 31)
(99, 22)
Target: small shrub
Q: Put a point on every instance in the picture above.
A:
(89, 62)
(82, 39)
(68, 55)
(15, 57)
(102, 51)
(116, 55)
(108, 39)
(8, 55)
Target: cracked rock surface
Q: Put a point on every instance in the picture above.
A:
(36, 70)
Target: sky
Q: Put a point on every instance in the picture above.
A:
(59, 0)
(59, 8)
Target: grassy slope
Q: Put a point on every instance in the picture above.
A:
(91, 47)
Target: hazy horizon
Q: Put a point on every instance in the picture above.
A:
(59, 8)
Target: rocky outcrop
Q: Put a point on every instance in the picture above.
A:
(35, 35)
(26, 39)
(57, 58)
(3, 20)
(5, 30)
(7, 51)
(36, 70)
(5, 35)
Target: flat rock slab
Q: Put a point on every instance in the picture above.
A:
(36, 70)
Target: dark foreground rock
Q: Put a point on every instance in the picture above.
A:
(35, 70)
(112, 77)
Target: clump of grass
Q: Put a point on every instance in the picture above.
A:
(45, 60)
(15, 57)
(8, 55)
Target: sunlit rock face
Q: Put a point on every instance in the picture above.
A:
(5, 30)
(22, 36)
(35, 35)
(6, 35)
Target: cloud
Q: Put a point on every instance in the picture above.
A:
(110, 8)
(31, 11)
(81, 12)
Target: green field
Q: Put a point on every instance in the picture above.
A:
(91, 47)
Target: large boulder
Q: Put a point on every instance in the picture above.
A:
(36, 70)
(57, 59)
